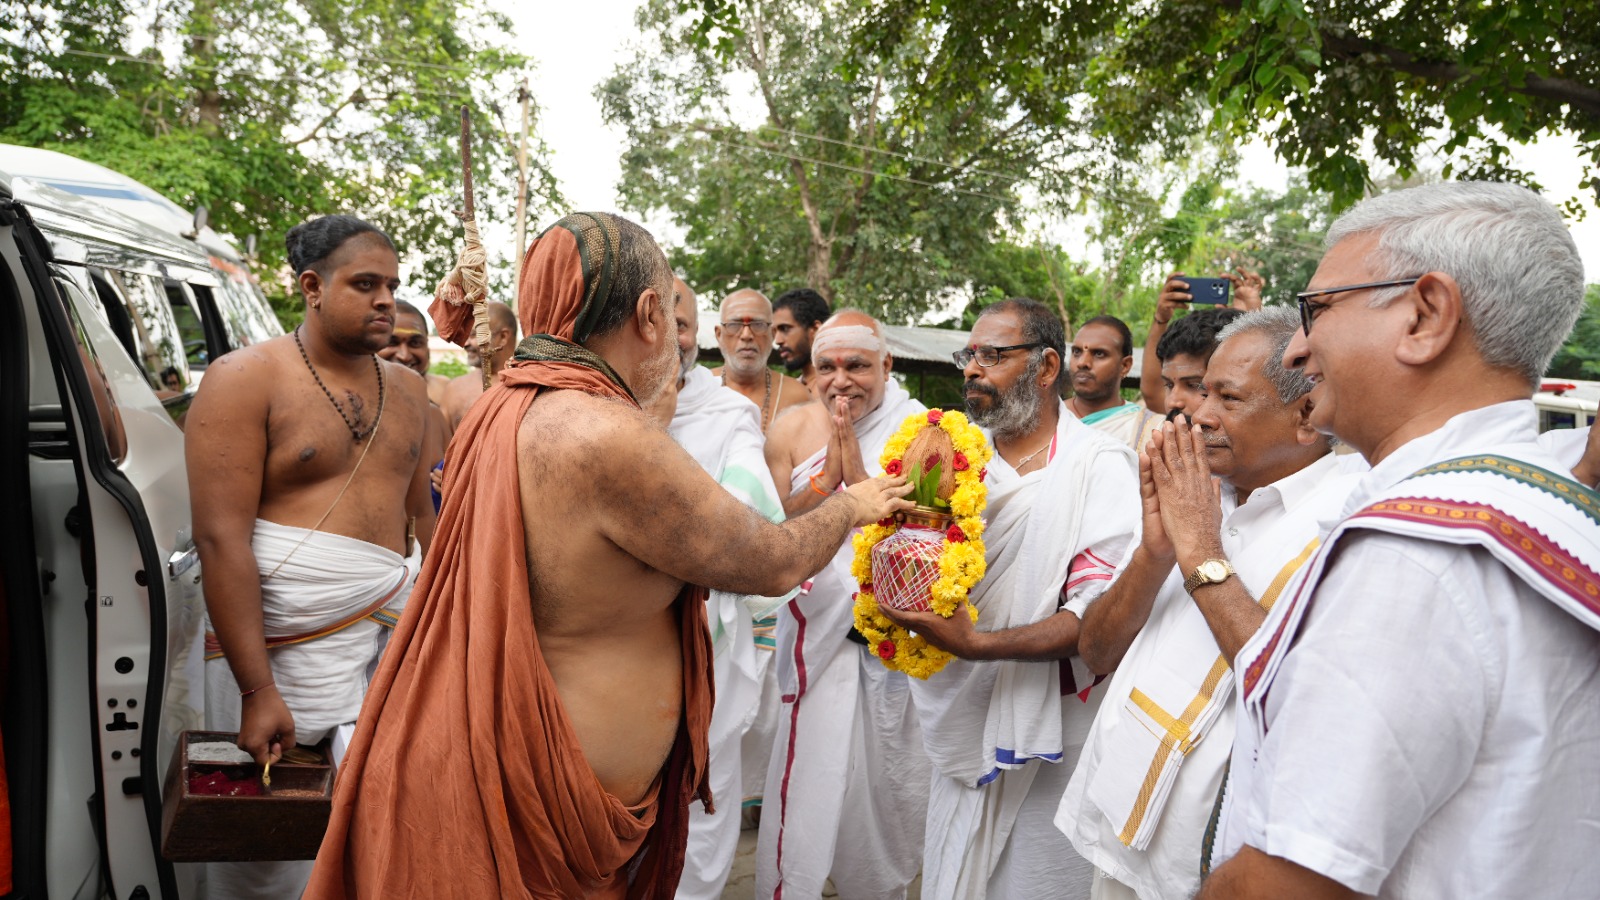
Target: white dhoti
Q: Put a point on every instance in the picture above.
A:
(846, 791)
(756, 748)
(1005, 736)
(721, 429)
(311, 582)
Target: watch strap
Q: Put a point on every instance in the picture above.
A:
(1199, 578)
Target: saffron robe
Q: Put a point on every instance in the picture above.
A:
(465, 778)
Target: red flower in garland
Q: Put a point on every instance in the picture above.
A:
(955, 535)
(886, 649)
(892, 467)
(886, 522)
(959, 462)
(866, 588)
(983, 473)
(934, 415)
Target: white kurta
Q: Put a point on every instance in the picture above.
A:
(1169, 663)
(847, 786)
(1004, 736)
(721, 429)
(324, 579)
(1432, 729)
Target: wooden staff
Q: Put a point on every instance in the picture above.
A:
(525, 97)
(474, 263)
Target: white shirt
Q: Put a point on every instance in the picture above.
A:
(1434, 732)
(1270, 530)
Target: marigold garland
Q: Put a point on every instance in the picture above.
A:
(961, 559)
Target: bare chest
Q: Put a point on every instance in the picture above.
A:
(309, 441)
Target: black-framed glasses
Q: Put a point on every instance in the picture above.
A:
(1310, 305)
(987, 356)
(758, 327)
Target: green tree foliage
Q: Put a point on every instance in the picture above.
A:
(1580, 356)
(268, 112)
(1322, 82)
(827, 177)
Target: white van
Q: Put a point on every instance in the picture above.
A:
(1566, 404)
(108, 321)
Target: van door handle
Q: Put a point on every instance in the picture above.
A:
(182, 561)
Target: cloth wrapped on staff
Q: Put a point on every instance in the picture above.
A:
(721, 429)
(328, 603)
(465, 777)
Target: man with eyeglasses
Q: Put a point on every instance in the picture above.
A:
(1418, 713)
(847, 788)
(745, 335)
(1004, 729)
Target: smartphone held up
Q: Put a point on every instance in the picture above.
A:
(1212, 291)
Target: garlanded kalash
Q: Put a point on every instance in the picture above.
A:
(927, 558)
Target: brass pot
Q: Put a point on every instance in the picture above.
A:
(925, 517)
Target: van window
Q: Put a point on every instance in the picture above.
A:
(114, 312)
(246, 313)
(186, 313)
(157, 338)
(1551, 419)
(107, 414)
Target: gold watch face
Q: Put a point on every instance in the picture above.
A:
(1214, 570)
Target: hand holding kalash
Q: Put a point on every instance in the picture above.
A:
(539, 726)
(1004, 722)
(926, 559)
(847, 784)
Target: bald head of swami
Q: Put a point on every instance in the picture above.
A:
(853, 362)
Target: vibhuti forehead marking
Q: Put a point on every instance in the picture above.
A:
(847, 337)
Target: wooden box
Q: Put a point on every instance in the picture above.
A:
(286, 822)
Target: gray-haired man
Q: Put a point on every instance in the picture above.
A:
(1418, 711)
(1192, 593)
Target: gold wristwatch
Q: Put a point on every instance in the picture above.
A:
(1212, 571)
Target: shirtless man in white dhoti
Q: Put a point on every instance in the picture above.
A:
(847, 788)
(1005, 723)
(305, 458)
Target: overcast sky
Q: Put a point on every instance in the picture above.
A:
(578, 45)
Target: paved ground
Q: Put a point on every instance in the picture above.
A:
(742, 883)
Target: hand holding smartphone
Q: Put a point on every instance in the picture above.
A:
(1212, 291)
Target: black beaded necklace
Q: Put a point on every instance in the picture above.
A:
(351, 421)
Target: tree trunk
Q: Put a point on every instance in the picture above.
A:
(203, 28)
(819, 268)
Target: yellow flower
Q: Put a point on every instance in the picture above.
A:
(961, 564)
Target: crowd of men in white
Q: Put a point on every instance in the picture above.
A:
(1216, 652)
